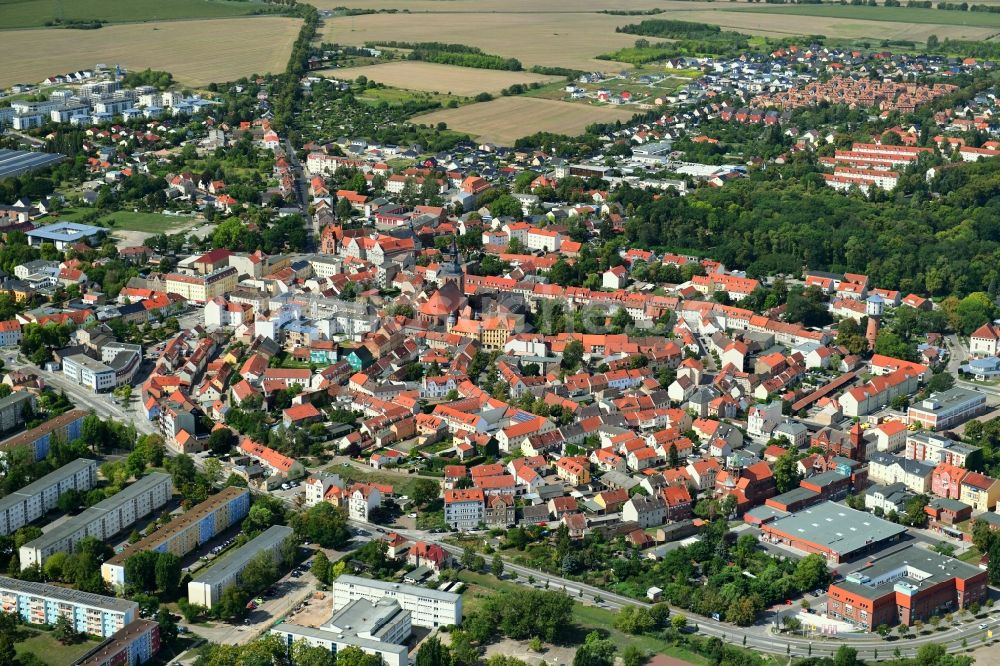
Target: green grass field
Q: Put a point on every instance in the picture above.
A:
(153, 223)
(51, 651)
(36, 13)
(400, 96)
(898, 14)
(589, 618)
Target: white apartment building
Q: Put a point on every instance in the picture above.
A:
(103, 520)
(39, 603)
(428, 608)
(39, 497)
(209, 584)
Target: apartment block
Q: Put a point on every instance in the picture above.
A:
(39, 497)
(464, 509)
(12, 409)
(65, 426)
(428, 608)
(209, 584)
(39, 603)
(185, 532)
(202, 288)
(135, 643)
(103, 520)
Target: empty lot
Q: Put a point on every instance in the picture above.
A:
(195, 52)
(506, 119)
(448, 79)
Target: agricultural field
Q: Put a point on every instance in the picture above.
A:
(891, 14)
(760, 21)
(37, 13)
(554, 39)
(447, 79)
(195, 52)
(504, 120)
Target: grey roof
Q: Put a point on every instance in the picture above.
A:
(826, 478)
(910, 466)
(65, 594)
(796, 495)
(299, 631)
(16, 162)
(15, 398)
(93, 513)
(937, 402)
(837, 527)
(235, 561)
(36, 487)
(955, 505)
(922, 569)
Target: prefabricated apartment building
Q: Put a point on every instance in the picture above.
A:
(185, 532)
(101, 521)
(39, 497)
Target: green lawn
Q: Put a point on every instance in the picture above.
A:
(153, 223)
(400, 96)
(900, 14)
(589, 618)
(36, 13)
(401, 484)
(51, 651)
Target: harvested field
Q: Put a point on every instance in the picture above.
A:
(890, 14)
(506, 119)
(554, 39)
(414, 75)
(765, 23)
(195, 52)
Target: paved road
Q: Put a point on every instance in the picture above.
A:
(757, 637)
(302, 194)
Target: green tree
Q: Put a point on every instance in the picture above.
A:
(496, 567)
(64, 631)
(433, 653)
(811, 573)
(323, 524)
(424, 490)
(354, 656)
(786, 472)
(168, 573)
(595, 651)
(321, 567)
(633, 656)
(572, 355)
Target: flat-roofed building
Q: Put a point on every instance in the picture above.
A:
(428, 608)
(39, 497)
(908, 585)
(835, 531)
(39, 603)
(65, 234)
(12, 409)
(65, 426)
(185, 532)
(939, 411)
(135, 643)
(209, 584)
(101, 521)
(89, 372)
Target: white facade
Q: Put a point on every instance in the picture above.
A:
(38, 498)
(88, 372)
(428, 608)
(103, 520)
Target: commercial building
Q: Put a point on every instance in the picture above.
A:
(65, 426)
(185, 532)
(380, 628)
(908, 585)
(65, 234)
(202, 288)
(946, 409)
(89, 372)
(428, 608)
(39, 497)
(12, 409)
(837, 532)
(38, 603)
(101, 521)
(209, 584)
(135, 643)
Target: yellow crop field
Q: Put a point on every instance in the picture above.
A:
(504, 120)
(195, 52)
(448, 79)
